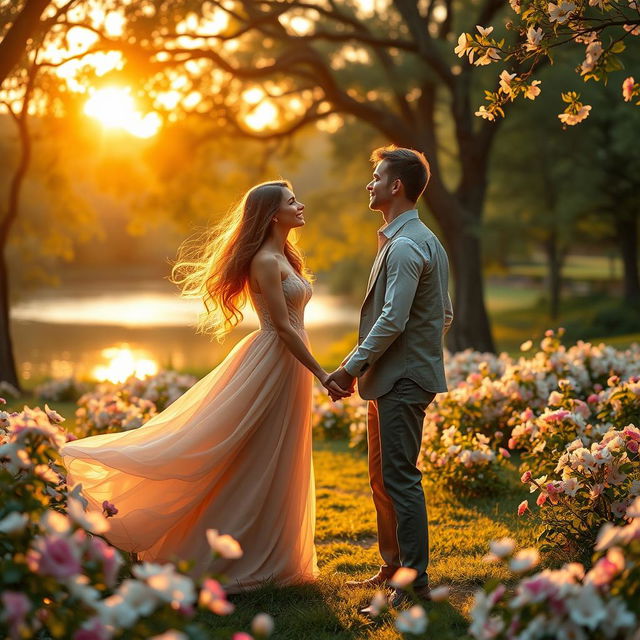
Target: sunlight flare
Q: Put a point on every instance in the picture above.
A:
(115, 108)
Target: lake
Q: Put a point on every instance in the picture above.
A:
(100, 329)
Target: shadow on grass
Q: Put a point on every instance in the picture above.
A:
(311, 611)
(326, 610)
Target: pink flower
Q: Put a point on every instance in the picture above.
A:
(522, 507)
(214, 598)
(542, 498)
(54, 556)
(627, 88)
(241, 635)
(92, 630)
(105, 554)
(633, 446)
(16, 606)
(504, 453)
(593, 398)
(512, 444)
(109, 509)
(607, 568)
(632, 432)
(525, 477)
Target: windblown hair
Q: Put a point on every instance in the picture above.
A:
(214, 265)
(407, 165)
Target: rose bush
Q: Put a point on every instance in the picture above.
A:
(567, 603)
(592, 484)
(58, 577)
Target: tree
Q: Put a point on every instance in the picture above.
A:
(602, 27)
(306, 62)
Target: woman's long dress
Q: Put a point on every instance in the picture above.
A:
(233, 454)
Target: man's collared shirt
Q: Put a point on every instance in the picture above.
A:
(405, 263)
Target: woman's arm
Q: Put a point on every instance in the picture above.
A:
(267, 274)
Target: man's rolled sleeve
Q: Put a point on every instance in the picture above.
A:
(405, 263)
(448, 314)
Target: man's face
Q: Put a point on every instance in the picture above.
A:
(380, 188)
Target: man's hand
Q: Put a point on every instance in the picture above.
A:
(344, 381)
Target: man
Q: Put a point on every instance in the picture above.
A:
(399, 361)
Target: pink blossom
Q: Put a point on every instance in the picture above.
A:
(557, 416)
(522, 507)
(593, 398)
(16, 606)
(633, 446)
(525, 477)
(54, 556)
(513, 443)
(92, 630)
(214, 598)
(607, 568)
(241, 635)
(632, 432)
(627, 89)
(542, 498)
(108, 557)
(504, 453)
(597, 387)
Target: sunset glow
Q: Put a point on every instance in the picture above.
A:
(115, 108)
(262, 116)
(123, 363)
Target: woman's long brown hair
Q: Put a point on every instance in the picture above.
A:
(214, 265)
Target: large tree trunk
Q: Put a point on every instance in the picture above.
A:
(554, 261)
(627, 235)
(25, 26)
(471, 328)
(8, 371)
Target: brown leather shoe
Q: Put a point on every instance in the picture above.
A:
(379, 580)
(400, 598)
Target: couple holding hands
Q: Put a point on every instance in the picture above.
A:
(234, 452)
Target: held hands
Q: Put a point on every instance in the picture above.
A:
(340, 384)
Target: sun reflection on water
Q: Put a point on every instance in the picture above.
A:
(124, 362)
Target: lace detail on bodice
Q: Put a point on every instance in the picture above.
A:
(297, 292)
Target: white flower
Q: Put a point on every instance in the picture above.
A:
(503, 547)
(225, 545)
(592, 55)
(14, 523)
(534, 38)
(515, 5)
(526, 346)
(524, 560)
(92, 521)
(571, 486)
(403, 577)
(484, 31)
(483, 113)
(586, 608)
(262, 625)
(575, 118)
(490, 55)
(116, 612)
(55, 522)
(560, 12)
(80, 588)
(463, 45)
(505, 82)
(166, 583)
(413, 620)
(139, 596)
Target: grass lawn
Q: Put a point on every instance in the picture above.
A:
(460, 532)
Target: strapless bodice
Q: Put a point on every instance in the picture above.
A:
(297, 292)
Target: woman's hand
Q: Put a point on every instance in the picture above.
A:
(332, 388)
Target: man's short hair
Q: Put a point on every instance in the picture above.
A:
(407, 165)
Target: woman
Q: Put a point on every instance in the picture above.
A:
(234, 452)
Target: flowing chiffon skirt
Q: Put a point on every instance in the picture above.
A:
(233, 454)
